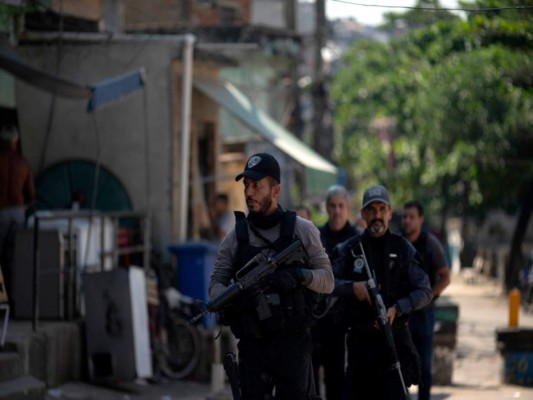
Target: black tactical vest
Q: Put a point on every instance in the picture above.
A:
(288, 313)
(391, 274)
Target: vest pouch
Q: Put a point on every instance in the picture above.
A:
(246, 326)
(292, 314)
(276, 322)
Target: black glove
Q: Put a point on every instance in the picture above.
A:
(283, 280)
(303, 276)
(288, 278)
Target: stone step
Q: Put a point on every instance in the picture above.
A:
(52, 354)
(10, 366)
(22, 388)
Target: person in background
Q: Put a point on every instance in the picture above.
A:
(329, 332)
(17, 194)
(422, 322)
(222, 217)
(404, 286)
(272, 318)
(303, 211)
(77, 200)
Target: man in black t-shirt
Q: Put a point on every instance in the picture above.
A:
(421, 323)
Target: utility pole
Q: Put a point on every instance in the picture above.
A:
(295, 123)
(322, 121)
(290, 15)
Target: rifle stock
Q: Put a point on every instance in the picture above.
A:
(377, 300)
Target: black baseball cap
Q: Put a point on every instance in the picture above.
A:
(259, 166)
(376, 193)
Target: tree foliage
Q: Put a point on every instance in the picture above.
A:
(443, 112)
(414, 19)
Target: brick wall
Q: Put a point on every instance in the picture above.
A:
(176, 14)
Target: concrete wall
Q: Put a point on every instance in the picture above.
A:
(268, 12)
(114, 134)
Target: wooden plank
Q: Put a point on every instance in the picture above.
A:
(3, 292)
(86, 9)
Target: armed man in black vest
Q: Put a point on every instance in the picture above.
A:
(379, 275)
(272, 318)
(422, 322)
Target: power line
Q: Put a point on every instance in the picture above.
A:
(437, 8)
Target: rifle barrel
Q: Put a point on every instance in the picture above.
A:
(387, 329)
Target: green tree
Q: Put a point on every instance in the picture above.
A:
(458, 99)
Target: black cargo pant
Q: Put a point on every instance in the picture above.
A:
(369, 374)
(329, 351)
(281, 363)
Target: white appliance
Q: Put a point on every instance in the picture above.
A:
(118, 342)
(91, 235)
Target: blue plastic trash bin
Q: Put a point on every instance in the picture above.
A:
(516, 346)
(194, 266)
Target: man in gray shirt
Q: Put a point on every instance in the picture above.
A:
(274, 346)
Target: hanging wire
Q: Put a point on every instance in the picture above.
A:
(147, 163)
(148, 189)
(94, 193)
(437, 8)
(51, 111)
(98, 162)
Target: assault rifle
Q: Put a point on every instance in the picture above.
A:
(262, 265)
(377, 300)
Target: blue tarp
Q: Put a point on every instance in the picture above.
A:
(111, 90)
